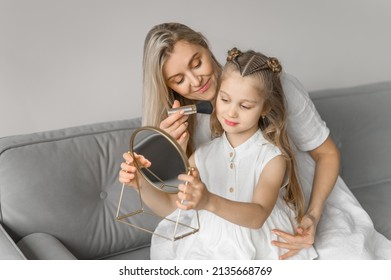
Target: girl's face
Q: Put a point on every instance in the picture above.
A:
(239, 106)
(189, 71)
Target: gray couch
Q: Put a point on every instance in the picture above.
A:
(59, 190)
(59, 193)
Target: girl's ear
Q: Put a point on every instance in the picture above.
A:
(265, 110)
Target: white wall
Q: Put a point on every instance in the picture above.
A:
(71, 62)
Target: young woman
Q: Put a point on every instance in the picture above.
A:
(180, 69)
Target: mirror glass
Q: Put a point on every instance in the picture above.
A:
(166, 157)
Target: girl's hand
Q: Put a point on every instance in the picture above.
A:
(194, 194)
(176, 125)
(304, 238)
(127, 174)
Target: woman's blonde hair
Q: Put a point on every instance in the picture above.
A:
(266, 71)
(157, 97)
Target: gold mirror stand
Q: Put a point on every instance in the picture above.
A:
(126, 218)
(141, 211)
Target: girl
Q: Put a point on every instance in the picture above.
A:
(180, 69)
(247, 183)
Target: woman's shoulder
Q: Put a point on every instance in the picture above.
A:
(305, 127)
(291, 83)
(295, 93)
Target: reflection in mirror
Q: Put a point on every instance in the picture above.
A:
(166, 157)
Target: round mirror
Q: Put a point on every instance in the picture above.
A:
(166, 157)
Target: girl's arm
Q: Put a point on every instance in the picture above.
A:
(159, 202)
(252, 214)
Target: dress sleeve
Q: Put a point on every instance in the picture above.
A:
(305, 127)
(269, 152)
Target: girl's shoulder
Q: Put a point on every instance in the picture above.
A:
(265, 151)
(207, 151)
(208, 146)
(261, 141)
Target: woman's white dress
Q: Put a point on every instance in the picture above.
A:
(345, 230)
(231, 173)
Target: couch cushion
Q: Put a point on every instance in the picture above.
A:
(43, 246)
(360, 122)
(376, 201)
(65, 183)
(136, 254)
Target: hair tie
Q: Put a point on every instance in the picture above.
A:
(233, 53)
(274, 65)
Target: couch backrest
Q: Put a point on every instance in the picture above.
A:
(65, 183)
(360, 122)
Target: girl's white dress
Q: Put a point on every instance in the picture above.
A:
(345, 230)
(231, 173)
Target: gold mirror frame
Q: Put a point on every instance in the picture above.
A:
(173, 143)
(142, 210)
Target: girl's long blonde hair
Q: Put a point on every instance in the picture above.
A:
(157, 97)
(266, 71)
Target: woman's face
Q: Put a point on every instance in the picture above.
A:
(189, 71)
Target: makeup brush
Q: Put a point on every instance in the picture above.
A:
(204, 107)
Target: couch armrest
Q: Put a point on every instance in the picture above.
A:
(9, 250)
(43, 246)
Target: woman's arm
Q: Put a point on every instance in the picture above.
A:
(327, 162)
(252, 214)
